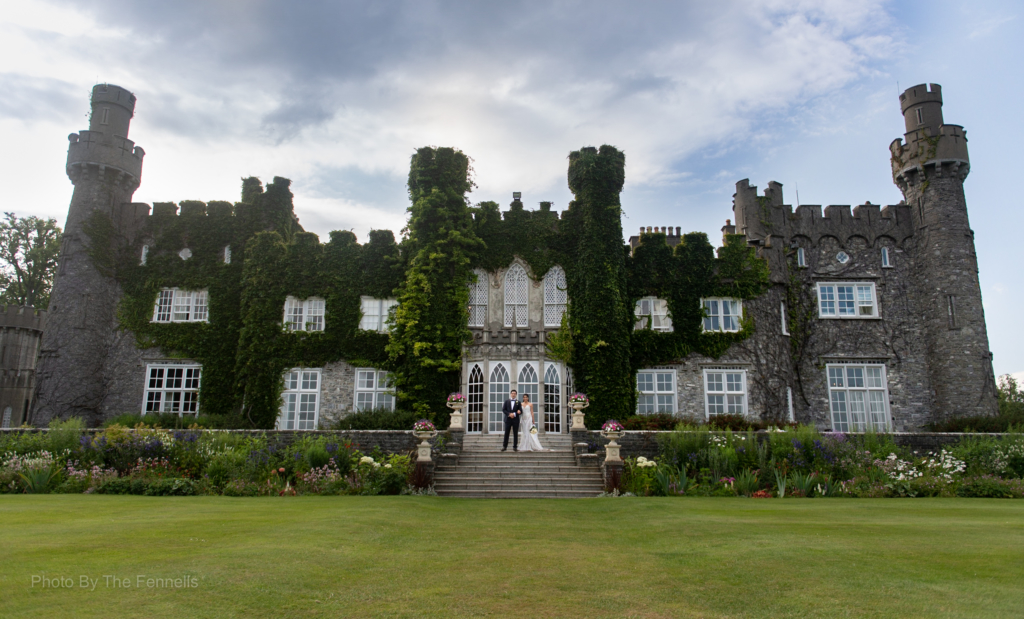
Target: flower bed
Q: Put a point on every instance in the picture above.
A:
(148, 461)
(803, 463)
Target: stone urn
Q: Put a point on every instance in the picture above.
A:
(456, 421)
(611, 450)
(423, 449)
(577, 415)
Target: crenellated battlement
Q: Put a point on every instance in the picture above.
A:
(22, 317)
(762, 217)
(109, 153)
(924, 147)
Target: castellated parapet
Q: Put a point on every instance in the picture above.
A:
(104, 150)
(929, 142)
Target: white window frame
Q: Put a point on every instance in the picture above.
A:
(801, 258)
(886, 258)
(375, 313)
(177, 305)
(145, 255)
(556, 296)
(653, 311)
(172, 388)
(721, 383)
(656, 391)
(846, 300)
(373, 389)
(227, 254)
(478, 293)
(304, 314)
(517, 297)
(846, 388)
(717, 310)
(782, 312)
(301, 391)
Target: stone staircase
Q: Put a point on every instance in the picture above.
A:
(484, 471)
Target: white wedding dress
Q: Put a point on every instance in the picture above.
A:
(530, 441)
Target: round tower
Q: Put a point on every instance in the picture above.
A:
(929, 166)
(106, 169)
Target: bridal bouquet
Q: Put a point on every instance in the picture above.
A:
(533, 430)
(578, 398)
(456, 398)
(423, 425)
(612, 426)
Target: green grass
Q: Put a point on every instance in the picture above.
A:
(430, 557)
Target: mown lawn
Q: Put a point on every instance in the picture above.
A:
(431, 557)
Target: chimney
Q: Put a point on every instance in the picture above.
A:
(728, 229)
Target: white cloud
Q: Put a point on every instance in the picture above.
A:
(226, 100)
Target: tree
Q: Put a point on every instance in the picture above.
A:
(29, 249)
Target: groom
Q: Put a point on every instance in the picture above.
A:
(511, 411)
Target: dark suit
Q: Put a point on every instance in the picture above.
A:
(514, 408)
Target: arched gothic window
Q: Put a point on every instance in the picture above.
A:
(529, 385)
(516, 297)
(475, 401)
(500, 385)
(552, 400)
(555, 297)
(478, 299)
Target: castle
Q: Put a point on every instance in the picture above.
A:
(870, 317)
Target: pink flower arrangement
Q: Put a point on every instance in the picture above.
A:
(612, 426)
(456, 398)
(578, 398)
(423, 425)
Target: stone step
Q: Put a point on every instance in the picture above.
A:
(512, 458)
(494, 470)
(512, 481)
(511, 476)
(521, 494)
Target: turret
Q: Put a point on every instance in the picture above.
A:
(930, 169)
(81, 333)
(929, 141)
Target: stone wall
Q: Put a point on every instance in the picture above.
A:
(645, 443)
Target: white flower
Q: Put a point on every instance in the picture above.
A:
(366, 460)
(376, 465)
(387, 466)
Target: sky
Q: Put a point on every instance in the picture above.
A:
(336, 96)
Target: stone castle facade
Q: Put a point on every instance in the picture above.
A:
(873, 316)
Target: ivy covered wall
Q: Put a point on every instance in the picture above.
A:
(244, 348)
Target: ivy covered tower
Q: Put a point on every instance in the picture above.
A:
(930, 168)
(106, 168)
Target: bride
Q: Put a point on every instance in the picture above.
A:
(530, 440)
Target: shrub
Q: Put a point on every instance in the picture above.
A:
(377, 419)
(736, 423)
(37, 480)
(225, 466)
(65, 435)
(317, 456)
(657, 421)
(989, 486)
(746, 483)
(170, 487)
(240, 487)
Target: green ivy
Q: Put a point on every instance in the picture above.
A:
(601, 313)
(245, 350)
(430, 323)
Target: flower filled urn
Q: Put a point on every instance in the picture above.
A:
(424, 430)
(578, 402)
(612, 430)
(456, 402)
